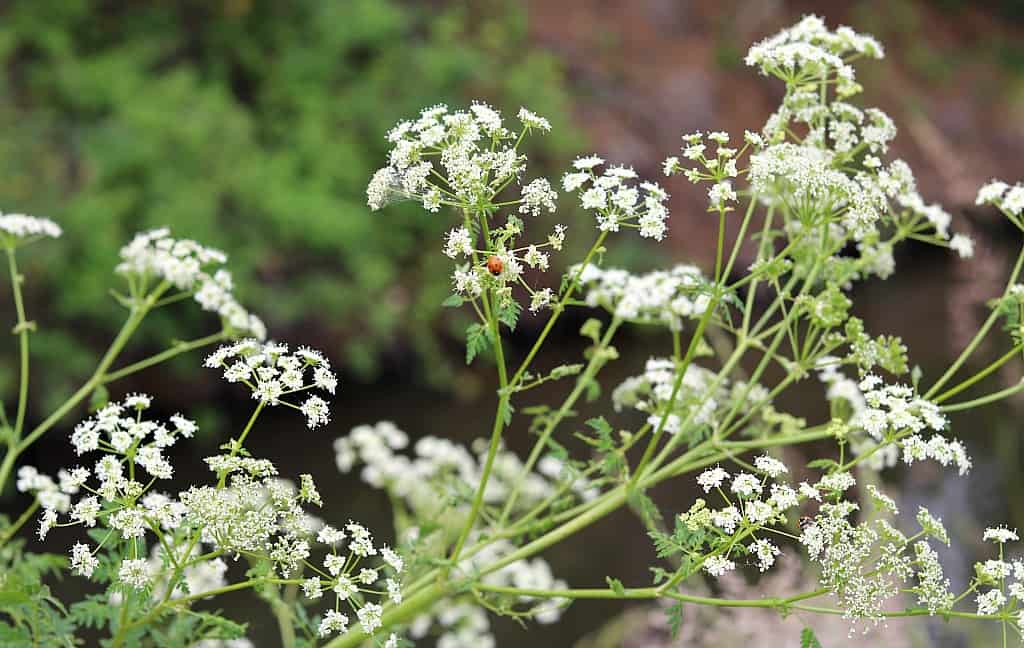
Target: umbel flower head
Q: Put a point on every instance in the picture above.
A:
(19, 229)
(191, 268)
(461, 158)
(617, 199)
(273, 375)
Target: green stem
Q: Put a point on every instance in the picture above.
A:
(978, 376)
(558, 309)
(984, 400)
(237, 446)
(12, 530)
(177, 349)
(22, 330)
(593, 366)
(982, 332)
(499, 418)
(720, 245)
(676, 385)
(127, 330)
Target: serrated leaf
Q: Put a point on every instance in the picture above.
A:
(600, 425)
(10, 597)
(675, 619)
(477, 340)
(453, 301)
(808, 639)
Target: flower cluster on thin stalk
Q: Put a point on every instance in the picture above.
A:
(701, 401)
(274, 375)
(166, 546)
(754, 503)
(831, 179)
(19, 229)
(887, 422)
(662, 297)
(194, 269)
(469, 160)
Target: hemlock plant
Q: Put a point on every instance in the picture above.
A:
(819, 206)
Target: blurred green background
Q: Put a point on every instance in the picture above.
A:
(253, 126)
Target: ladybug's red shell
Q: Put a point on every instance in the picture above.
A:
(494, 265)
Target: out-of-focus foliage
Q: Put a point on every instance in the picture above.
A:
(252, 126)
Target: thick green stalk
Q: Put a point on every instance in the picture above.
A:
(984, 400)
(953, 391)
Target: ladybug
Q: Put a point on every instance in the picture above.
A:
(495, 265)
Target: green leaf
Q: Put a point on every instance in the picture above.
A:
(592, 329)
(601, 426)
(10, 597)
(808, 639)
(822, 464)
(615, 585)
(453, 301)
(478, 338)
(506, 411)
(675, 619)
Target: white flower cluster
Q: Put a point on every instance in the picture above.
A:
(889, 418)
(1010, 200)
(1005, 578)
(434, 483)
(835, 170)
(119, 501)
(504, 266)
(809, 52)
(699, 401)
(461, 158)
(616, 200)
(664, 297)
(756, 503)
(447, 467)
(249, 512)
(189, 267)
(866, 564)
(718, 169)
(272, 373)
(351, 582)
(19, 228)
(55, 495)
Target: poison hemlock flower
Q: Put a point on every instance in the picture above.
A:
(19, 229)
(191, 268)
(617, 200)
(665, 297)
(274, 375)
(718, 565)
(1000, 535)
